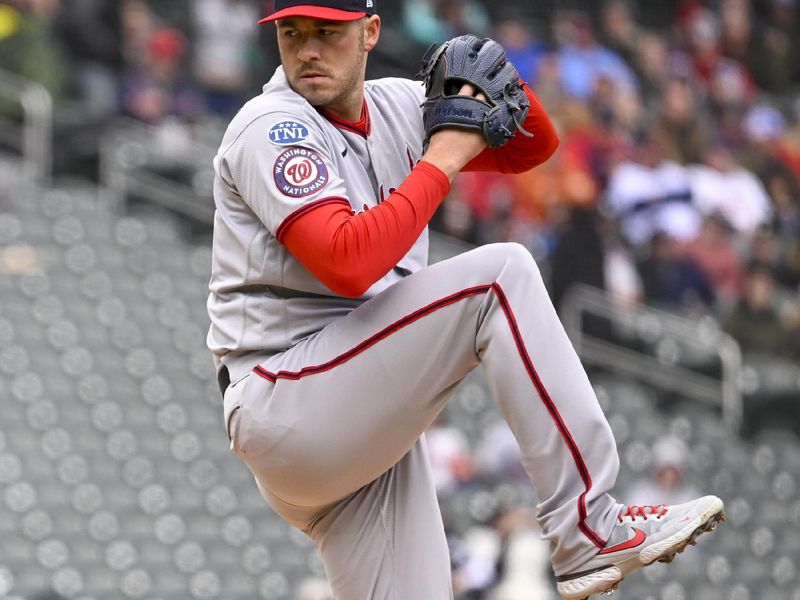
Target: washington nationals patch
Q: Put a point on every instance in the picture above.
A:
(300, 172)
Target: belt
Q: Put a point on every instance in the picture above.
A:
(223, 379)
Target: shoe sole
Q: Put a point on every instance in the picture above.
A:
(607, 581)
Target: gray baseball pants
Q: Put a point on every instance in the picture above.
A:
(332, 428)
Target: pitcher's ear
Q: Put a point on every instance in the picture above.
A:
(372, 31)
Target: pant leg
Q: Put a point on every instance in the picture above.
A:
(387, 541)
(332, 414)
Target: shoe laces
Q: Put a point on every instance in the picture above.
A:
(633, 512)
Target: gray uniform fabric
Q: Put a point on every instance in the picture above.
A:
(331, 419)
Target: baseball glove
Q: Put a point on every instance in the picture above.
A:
(482, 63)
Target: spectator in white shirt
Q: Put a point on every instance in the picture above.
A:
(225, 38)
(648, 194)
(721, 186)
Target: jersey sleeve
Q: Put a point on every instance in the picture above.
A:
(280, 165)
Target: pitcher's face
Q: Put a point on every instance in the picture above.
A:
(324, 61)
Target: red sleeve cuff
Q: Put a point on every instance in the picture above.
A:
(436, 174)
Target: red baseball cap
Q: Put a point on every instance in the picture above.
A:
(328, 10)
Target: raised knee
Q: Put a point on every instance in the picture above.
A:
(517, 251)
(517, 257)
(492, 260)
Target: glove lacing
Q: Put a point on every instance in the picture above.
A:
(514, 107)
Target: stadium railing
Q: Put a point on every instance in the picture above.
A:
(167, 166)
(26, 124)
(690, 357)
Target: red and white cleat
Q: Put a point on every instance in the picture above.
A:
(643, 535)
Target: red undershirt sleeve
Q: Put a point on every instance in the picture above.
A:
(349, 252)
(521, 153)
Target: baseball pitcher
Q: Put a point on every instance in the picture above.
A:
(337, 346)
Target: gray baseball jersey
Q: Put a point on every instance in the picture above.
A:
(279, 157)
(331, 396)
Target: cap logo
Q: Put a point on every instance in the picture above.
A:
(288, 133)
(299, 172)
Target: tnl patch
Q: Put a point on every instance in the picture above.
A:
(288, 133)
(300, 172)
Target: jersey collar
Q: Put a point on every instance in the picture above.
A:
(362, 127)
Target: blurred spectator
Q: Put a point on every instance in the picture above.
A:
(474, 559)
(502, 209)
(524, 570)
(498, 457)
(671, 280)
(721, 186)
(755, 321)
(649, 193)
(774, 51)
(668, 484)
(622, 281)
(26, 43)
(619, 30)
(602, 102)
(224, 51)
(763, 126)
(450, 457)
(680, 128)
(456, 219)
(579, 255)
(727, 82)
(570, 178)
(780, 256)
(435, 21)
(91, 34)
(583, 60)
(521, 47)
(652, 65)
(730, 93)
(736, 22)
(702, 32)
(764, 49)
(159, 89)
(489, 197)
(784, 190)
(548, 82)
(138, 23)
(314, 589)
(581, 164)
(787, 148)
(715, 253)
(503, 557)
(627, 113)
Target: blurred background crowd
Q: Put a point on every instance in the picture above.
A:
(677, 181)
(676, 184)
